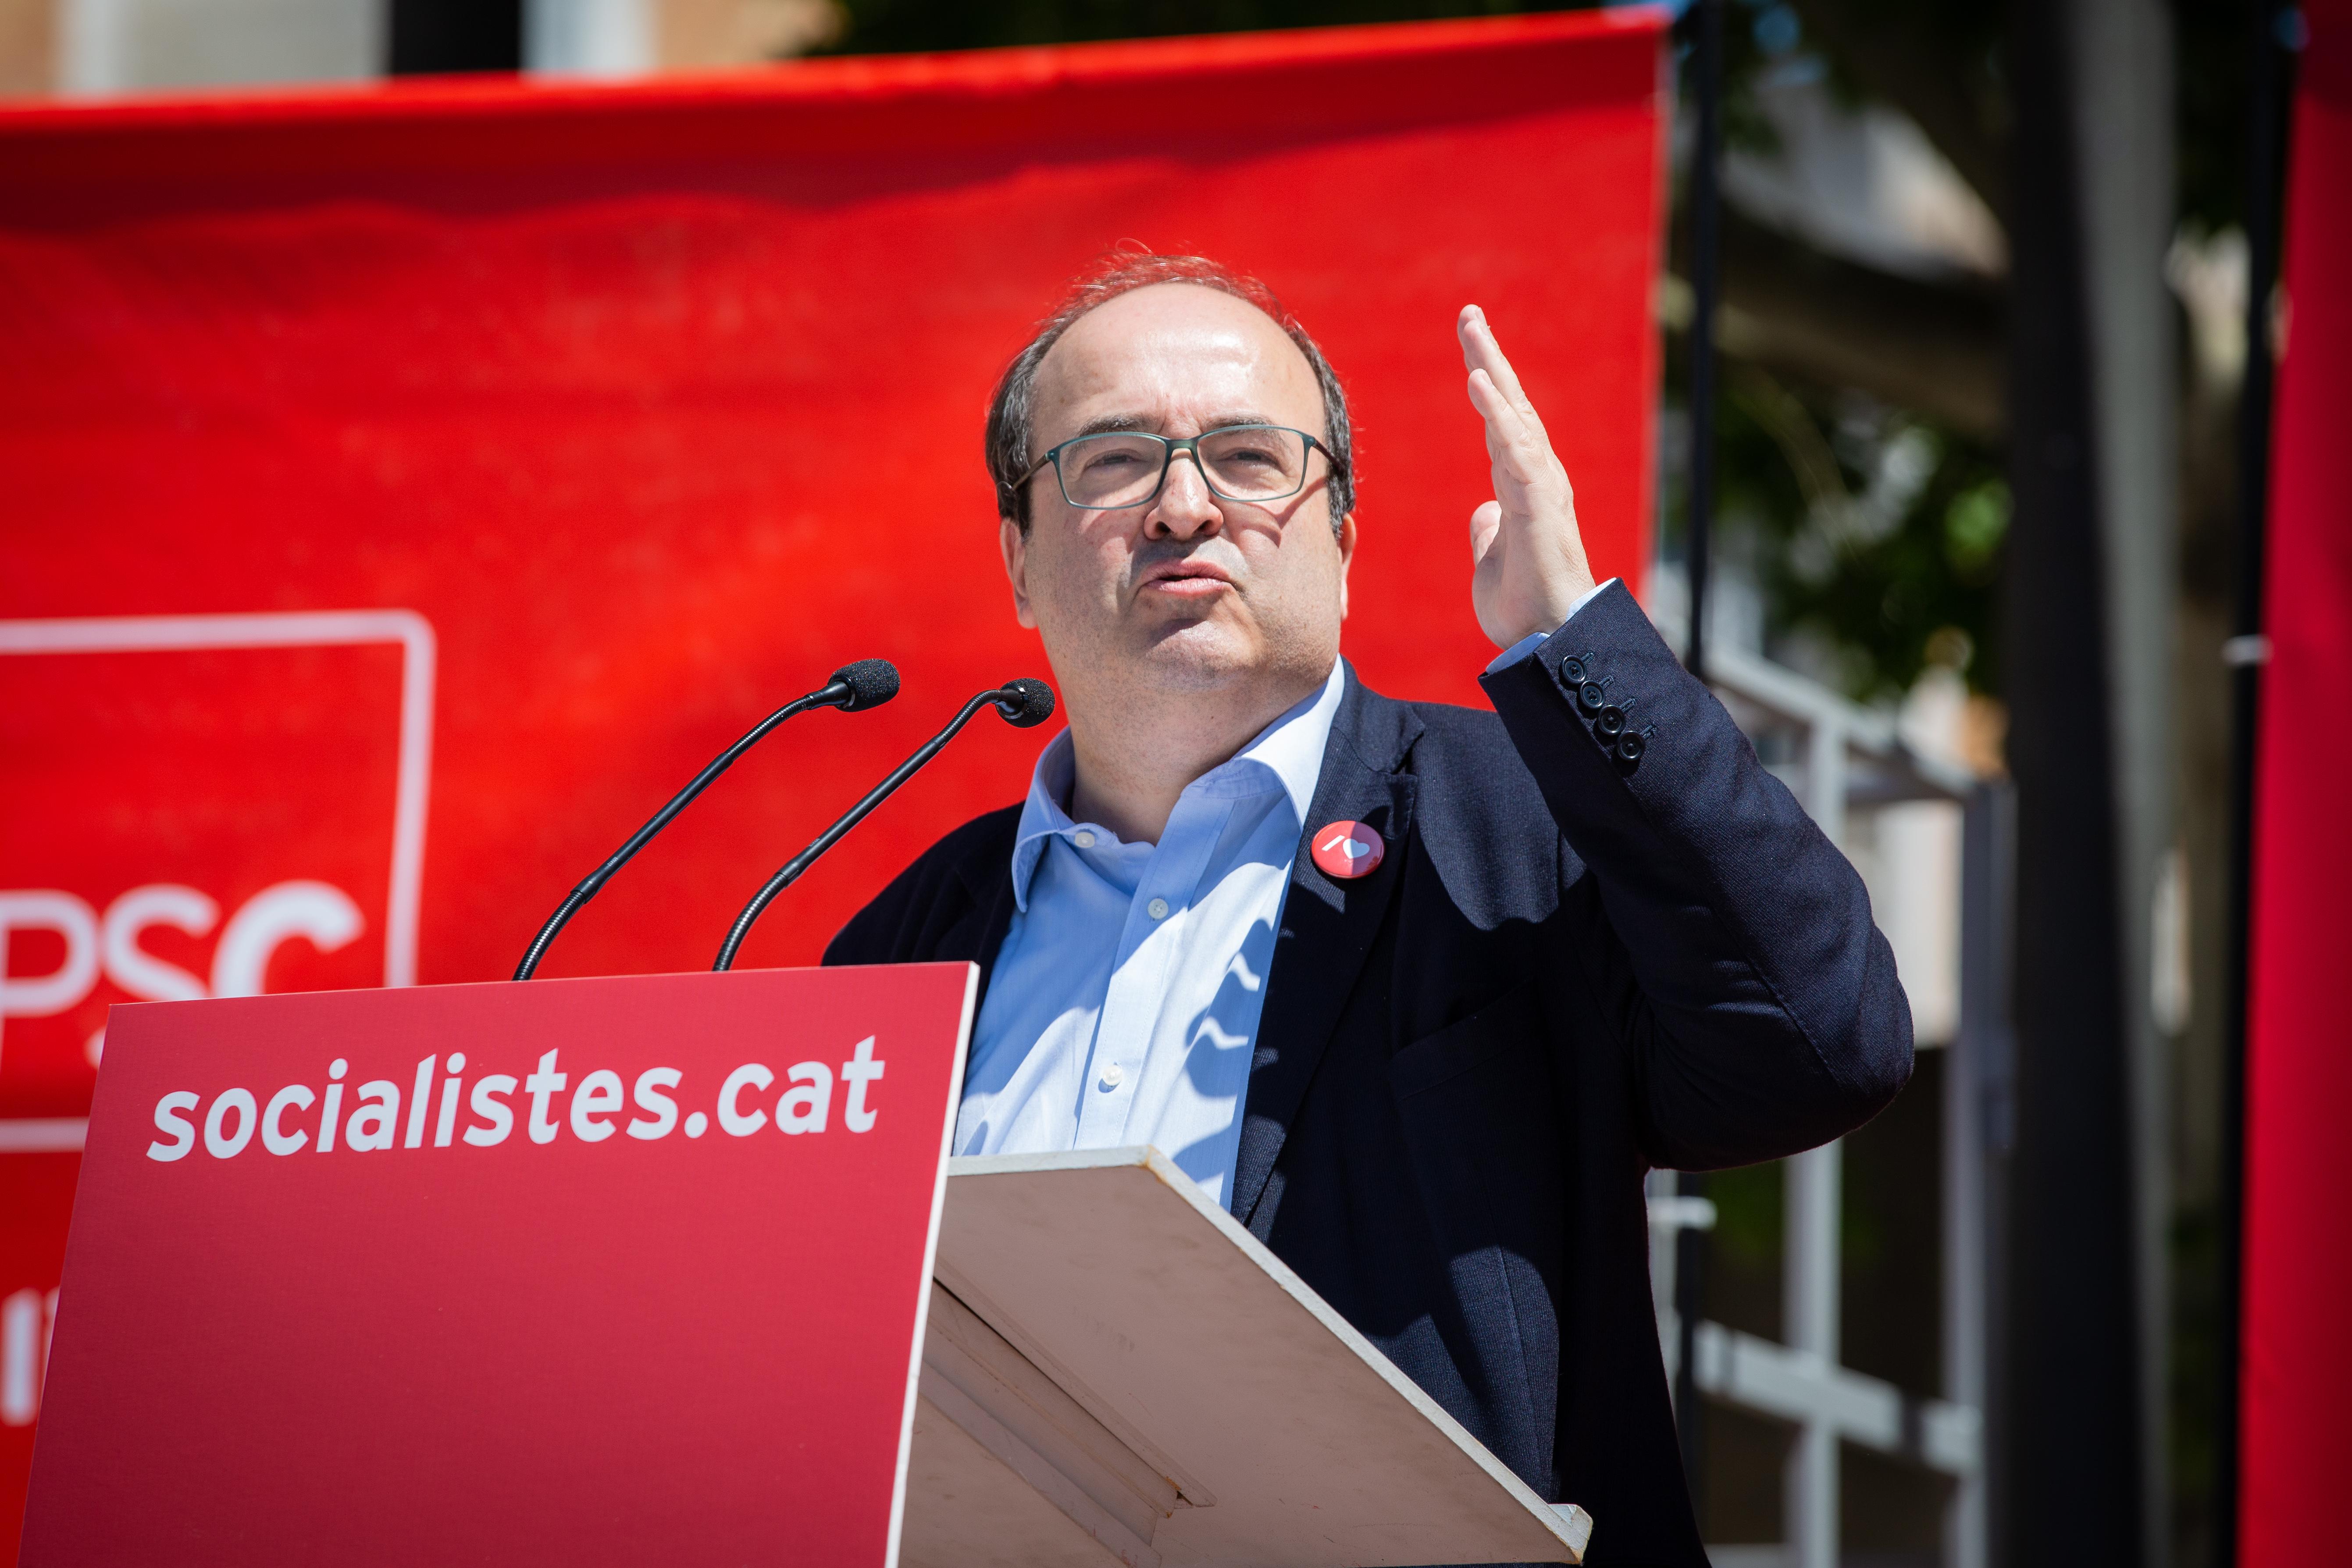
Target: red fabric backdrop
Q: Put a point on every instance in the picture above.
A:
(2297, 1379)
(651, 405)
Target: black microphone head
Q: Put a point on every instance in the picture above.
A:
(1026, 703)
(871, 683)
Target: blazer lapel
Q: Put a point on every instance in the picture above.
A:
(1327, 926)
(987, 877)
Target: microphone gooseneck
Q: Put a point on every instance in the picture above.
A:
(1022, 703)
(868, 683)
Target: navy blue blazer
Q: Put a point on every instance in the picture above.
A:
(1579, 959)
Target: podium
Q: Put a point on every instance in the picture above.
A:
(677, 1268)
(1115, 1371)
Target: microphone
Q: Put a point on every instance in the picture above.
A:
(1025, 702)
(855, 688)
(1022, 703)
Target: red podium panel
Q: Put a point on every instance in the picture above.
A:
(640, 1278)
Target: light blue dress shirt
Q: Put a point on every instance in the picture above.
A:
(1123, 1008)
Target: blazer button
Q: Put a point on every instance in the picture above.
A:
(1631, 747)
(1610, 723)
(1590, 698)
(1572, 669)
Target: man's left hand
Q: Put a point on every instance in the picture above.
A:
(1530, 564)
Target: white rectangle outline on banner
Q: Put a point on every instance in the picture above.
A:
(294, 628)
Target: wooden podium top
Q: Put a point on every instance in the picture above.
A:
(1115, 1371)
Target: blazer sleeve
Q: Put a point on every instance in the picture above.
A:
(1739, 956)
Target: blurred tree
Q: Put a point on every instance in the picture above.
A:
(1893, 547)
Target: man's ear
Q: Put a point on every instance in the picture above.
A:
(1014, 546)
(1347, 557)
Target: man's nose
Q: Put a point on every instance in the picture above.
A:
(1184, 506)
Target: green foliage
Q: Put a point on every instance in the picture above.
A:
(1871, 532)
(1747, 1215)
(1974, 526)
(1751, 1208)
(1900, 572)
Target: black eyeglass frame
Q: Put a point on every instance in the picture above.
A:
(1170, 445)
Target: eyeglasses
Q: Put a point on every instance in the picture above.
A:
(1127, 468)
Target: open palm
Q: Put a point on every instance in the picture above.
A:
(1530, 568)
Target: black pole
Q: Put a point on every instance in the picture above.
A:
(2075, 1488)
(435, 37)
(1690, 1305)
(1690, 1241)
(1705, 200)
(2267, 69)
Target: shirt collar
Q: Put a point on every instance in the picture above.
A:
(1291, 749)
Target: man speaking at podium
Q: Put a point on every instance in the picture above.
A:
(1419, 993)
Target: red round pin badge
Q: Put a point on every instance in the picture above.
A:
(1347, 849)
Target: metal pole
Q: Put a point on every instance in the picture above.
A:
(2087, 599)
(1705, 204)
(1690, 1302)
(1975, 1129)
(2268, 70)
(1690, 1242)
(1813, 1201)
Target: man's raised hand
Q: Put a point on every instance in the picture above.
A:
(1529, 559)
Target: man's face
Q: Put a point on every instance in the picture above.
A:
(1185, 593)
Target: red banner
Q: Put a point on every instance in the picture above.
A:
(2296, 1379)
(408, 489)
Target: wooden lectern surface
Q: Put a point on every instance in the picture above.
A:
(1115, 1371)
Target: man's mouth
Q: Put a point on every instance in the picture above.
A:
(1193, 579)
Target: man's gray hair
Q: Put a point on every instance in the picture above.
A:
(1009, 411)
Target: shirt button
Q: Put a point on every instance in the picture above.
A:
(1083, 839)
(1157, 909)
(1113, 1076)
